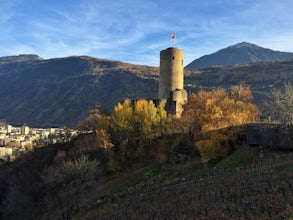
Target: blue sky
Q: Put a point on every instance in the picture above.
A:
(135, 31)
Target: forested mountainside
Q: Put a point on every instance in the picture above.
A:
(58, 92)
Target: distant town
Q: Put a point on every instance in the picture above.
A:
(17, 141)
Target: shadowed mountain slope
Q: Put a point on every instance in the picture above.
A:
(58, 92)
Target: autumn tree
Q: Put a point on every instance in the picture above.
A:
(132, 128)
(208, 113)
(96, 119)
(280, 104)
(120, 124)
(148, 119)
(190, 118)
(241, 92)
(137, 121)
(97, 143)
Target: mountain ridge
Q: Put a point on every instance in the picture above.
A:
(59, 91)
(19, 58)
(240, 53)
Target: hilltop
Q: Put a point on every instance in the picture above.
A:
(240, 53)
(19, 58)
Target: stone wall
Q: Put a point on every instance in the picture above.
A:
(270, 135)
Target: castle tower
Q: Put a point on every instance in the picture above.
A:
(171, 71)
(171, 84)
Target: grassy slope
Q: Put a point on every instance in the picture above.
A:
(247, 184)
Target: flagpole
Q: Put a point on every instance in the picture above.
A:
(172, 40)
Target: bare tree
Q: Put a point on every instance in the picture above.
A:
(65, 184)
(280, 105)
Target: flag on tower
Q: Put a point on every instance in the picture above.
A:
(173, 36)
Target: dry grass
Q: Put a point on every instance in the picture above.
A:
(263, 190)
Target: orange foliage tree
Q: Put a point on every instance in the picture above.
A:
(208, 114)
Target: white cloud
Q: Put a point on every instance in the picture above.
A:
(135, 31)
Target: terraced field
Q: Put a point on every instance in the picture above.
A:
(262, 190)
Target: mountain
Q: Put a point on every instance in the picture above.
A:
(60, 92)
(240, 53)
(261, 76)
(19, 58)
(57, 92)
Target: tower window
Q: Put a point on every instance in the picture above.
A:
(173, 58)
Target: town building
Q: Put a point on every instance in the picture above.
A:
(25, 130)
(8, 128)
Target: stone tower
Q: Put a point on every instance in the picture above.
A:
(171, 85)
